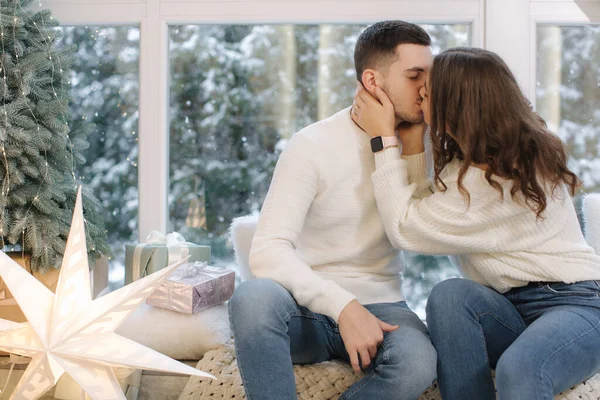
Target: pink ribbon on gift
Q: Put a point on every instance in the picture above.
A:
(191, 269)
(168, 291)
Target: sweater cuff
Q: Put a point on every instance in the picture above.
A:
(393, 173)
(416, 167)
(335, 301)
(386, 156)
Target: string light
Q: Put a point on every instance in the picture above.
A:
(64, 109)
(6, 181)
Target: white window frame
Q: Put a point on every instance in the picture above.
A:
(507, 27)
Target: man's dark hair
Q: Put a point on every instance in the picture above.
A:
(377, 44)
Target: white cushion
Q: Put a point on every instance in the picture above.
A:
(591, 214)
(242, 231)
(179, 336)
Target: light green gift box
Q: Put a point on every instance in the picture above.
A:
(155, 257)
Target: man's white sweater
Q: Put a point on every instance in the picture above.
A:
(499, 242)
(320, 234)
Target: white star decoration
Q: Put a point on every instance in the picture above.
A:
(70, 332)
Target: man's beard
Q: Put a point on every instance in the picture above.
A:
(410, 118)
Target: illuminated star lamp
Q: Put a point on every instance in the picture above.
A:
(69, 332)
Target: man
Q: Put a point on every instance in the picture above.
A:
(329, 280)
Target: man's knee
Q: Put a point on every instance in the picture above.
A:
(411, 363)
(257, 302)
(423, 368)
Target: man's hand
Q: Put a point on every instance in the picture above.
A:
(362, 332)
(411, 136)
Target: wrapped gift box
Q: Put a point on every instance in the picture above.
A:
(145, 258)
(193, 287)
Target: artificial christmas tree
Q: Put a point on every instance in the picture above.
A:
(40, 147)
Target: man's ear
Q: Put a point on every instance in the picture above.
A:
(370, 80)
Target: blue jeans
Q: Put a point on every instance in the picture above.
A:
(272, 332)
(541, 339)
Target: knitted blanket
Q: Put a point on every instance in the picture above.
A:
(323, 381)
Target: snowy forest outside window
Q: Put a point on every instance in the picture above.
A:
(105, 79)
(568, 95)
(237, 93)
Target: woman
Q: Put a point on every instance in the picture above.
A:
(500, 200)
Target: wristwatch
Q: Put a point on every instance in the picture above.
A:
(379, 143)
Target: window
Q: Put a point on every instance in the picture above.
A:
(237, 93)
(568, 95)
(105, 94)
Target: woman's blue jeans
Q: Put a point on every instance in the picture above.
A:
(541, 339)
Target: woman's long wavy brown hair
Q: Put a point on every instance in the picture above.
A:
(474, 95)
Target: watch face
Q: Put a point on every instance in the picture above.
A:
(377, 144)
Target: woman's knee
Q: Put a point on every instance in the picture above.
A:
(456, 295)
(516, 368)
(450, 295)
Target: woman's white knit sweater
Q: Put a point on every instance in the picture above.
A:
(499, 242)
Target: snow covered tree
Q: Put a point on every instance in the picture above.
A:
(575, 87)
(40, 145)
(222, 142)
(105, 90)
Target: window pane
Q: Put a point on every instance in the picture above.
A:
(105, 80)
(238, 92)
(568, 95)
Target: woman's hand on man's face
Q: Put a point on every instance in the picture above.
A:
(374, 115)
